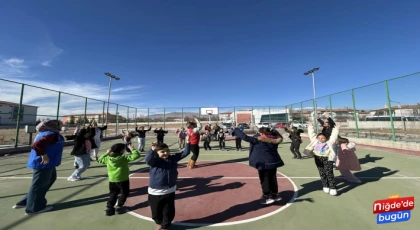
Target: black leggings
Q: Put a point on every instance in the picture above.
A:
(207, 145)
(160, 140)
(222, 143)
(268, 180)
(238, 143)
(294, 148)
(195, 149)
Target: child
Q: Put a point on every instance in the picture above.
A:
(347, 160)
(322, 149)
(181, 138)
(141, 133)
(207, 139)
(265, 157)
(221, 138)
(97, 133)
(162, 184)
(327, 130)
(194, 137)
(296, 141)
(118, 173)
(238, 141)
(160, 134)
(81, 153)
(127, 139)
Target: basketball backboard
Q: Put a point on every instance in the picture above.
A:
(207, 111)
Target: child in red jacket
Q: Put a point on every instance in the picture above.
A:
(194, 136)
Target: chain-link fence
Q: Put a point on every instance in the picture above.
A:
(388, 110)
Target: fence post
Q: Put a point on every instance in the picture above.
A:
(128, 116)
(269, 114)
(355, 117)
(164, 119)
(148, 117)
(301, 111)
(58, 105)
(116, 121)
(135, 118)
(331, 111)
(103, 113)
(182, 114)
(252, 116)
(290, 111)
(199, 114)
(314, 117)
(391, 119)
(84, 119)
(234, 115)
(18, 116)
(218, 115)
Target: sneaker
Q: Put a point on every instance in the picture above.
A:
(46, 209)
(110, 212)
(326, 190)
(333, 192)
(266, 200)
(17, 206)
(120, 210)
(73, 178)
(358, 181)
(76, 166)
(275, 197)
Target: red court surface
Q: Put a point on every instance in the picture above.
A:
(215, 193)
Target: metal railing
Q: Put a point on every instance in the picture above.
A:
(385, 110)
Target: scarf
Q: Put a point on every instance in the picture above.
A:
(321, 148)
(51, 125)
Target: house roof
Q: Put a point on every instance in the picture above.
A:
(12, 103)
(398, 107)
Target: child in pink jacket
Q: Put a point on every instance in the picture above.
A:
(347, 160)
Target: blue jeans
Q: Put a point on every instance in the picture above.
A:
(42, 181)
(83, 161)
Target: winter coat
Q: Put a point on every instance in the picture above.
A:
(263, 153)
(314, 141)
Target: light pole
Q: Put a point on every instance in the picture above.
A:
(313, 86)
(109, 92)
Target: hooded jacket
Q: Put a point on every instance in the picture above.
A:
(117, 166)
(263, 152)
(163, 172)
(333, 138)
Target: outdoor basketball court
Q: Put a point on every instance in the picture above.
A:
(222, 193)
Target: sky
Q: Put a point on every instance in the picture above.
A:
(209, 53)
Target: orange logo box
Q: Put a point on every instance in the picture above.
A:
(394, 196)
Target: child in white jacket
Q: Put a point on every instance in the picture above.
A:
(322, 150)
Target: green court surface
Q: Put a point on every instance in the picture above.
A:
(80, 205)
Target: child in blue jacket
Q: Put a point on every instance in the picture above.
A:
(162, 186)
(238, 140)
(264, 156)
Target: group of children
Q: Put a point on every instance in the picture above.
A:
(264, 156)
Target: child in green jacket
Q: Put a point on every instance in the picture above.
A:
(118, 172)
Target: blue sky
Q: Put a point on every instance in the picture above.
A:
(212, 53)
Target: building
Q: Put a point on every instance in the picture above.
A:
(9, 113)
(226, 116)
(98, 117)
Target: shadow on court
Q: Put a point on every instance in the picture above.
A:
(369, 159)
(375, 174)
(234, 211)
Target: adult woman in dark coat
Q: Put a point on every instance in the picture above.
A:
(263, 156)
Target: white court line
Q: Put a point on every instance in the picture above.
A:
(292, 200)
(225, 178)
